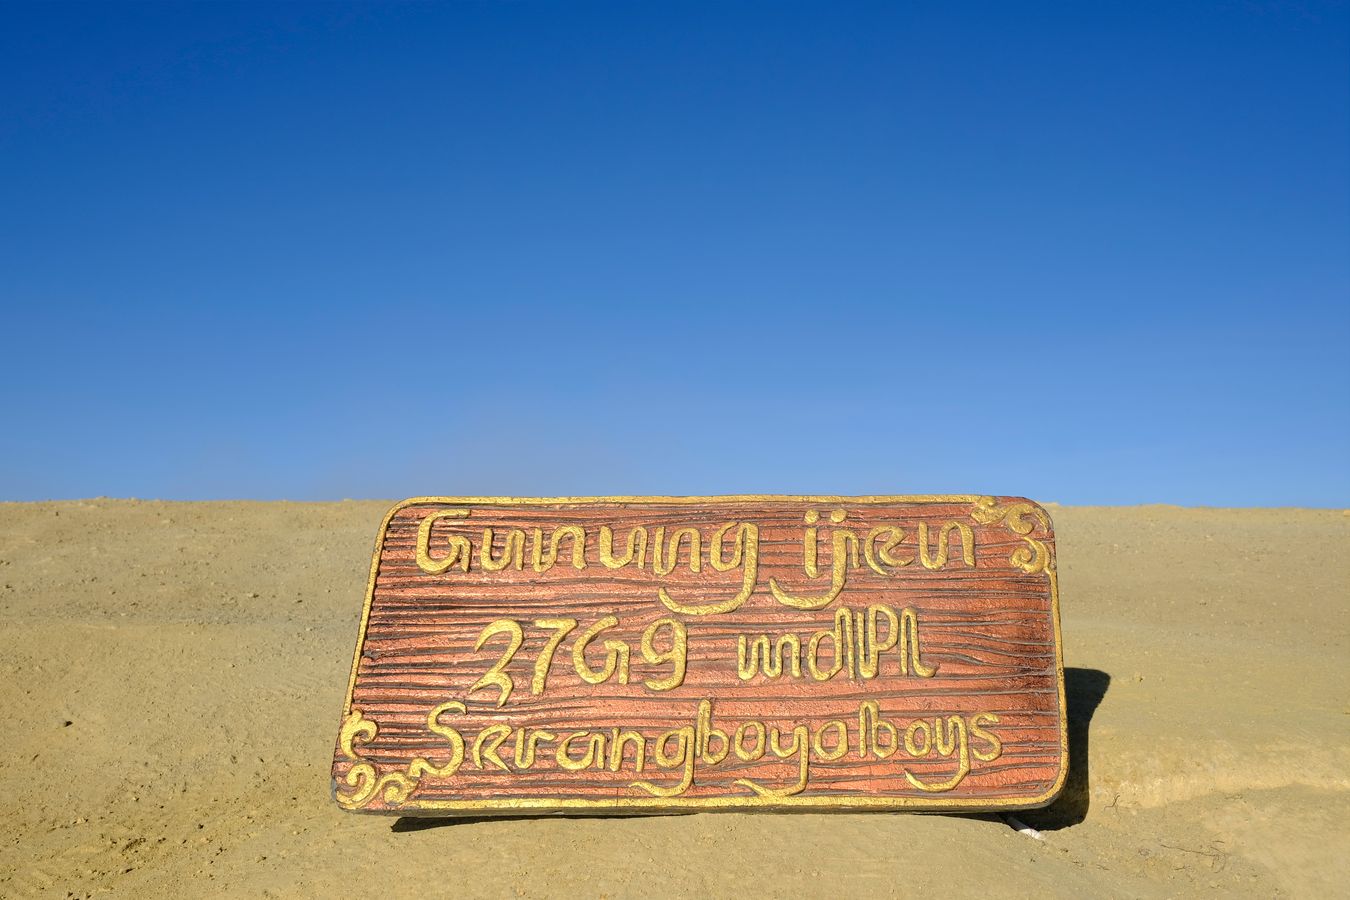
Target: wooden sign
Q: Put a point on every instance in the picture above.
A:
(649, 654)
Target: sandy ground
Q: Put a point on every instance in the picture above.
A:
(172, 676)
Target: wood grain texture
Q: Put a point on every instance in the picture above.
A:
(988, 631)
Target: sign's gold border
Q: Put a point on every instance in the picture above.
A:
(545, 805)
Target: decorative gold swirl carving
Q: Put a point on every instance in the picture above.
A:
(1021, 519)
(396, 787)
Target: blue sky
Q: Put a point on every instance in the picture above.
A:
(1089, 253)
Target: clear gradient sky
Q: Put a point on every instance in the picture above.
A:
(1090, 253)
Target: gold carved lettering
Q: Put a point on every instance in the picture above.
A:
(637, 548)
(545, 561)
(677, 655)
(745, 554)
(460, 550)
(855, 641)
(512, 554)
(937, 562)
(616, 655)
(497, 676)
(683, 756)
(844, 550)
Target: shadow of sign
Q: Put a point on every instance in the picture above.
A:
(422, 823)
(1083, 691)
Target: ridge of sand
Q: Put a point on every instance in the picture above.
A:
(173, 672)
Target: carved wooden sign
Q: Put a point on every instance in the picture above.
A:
(631, 654)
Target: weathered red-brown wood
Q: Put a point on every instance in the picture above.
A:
(975, 701)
